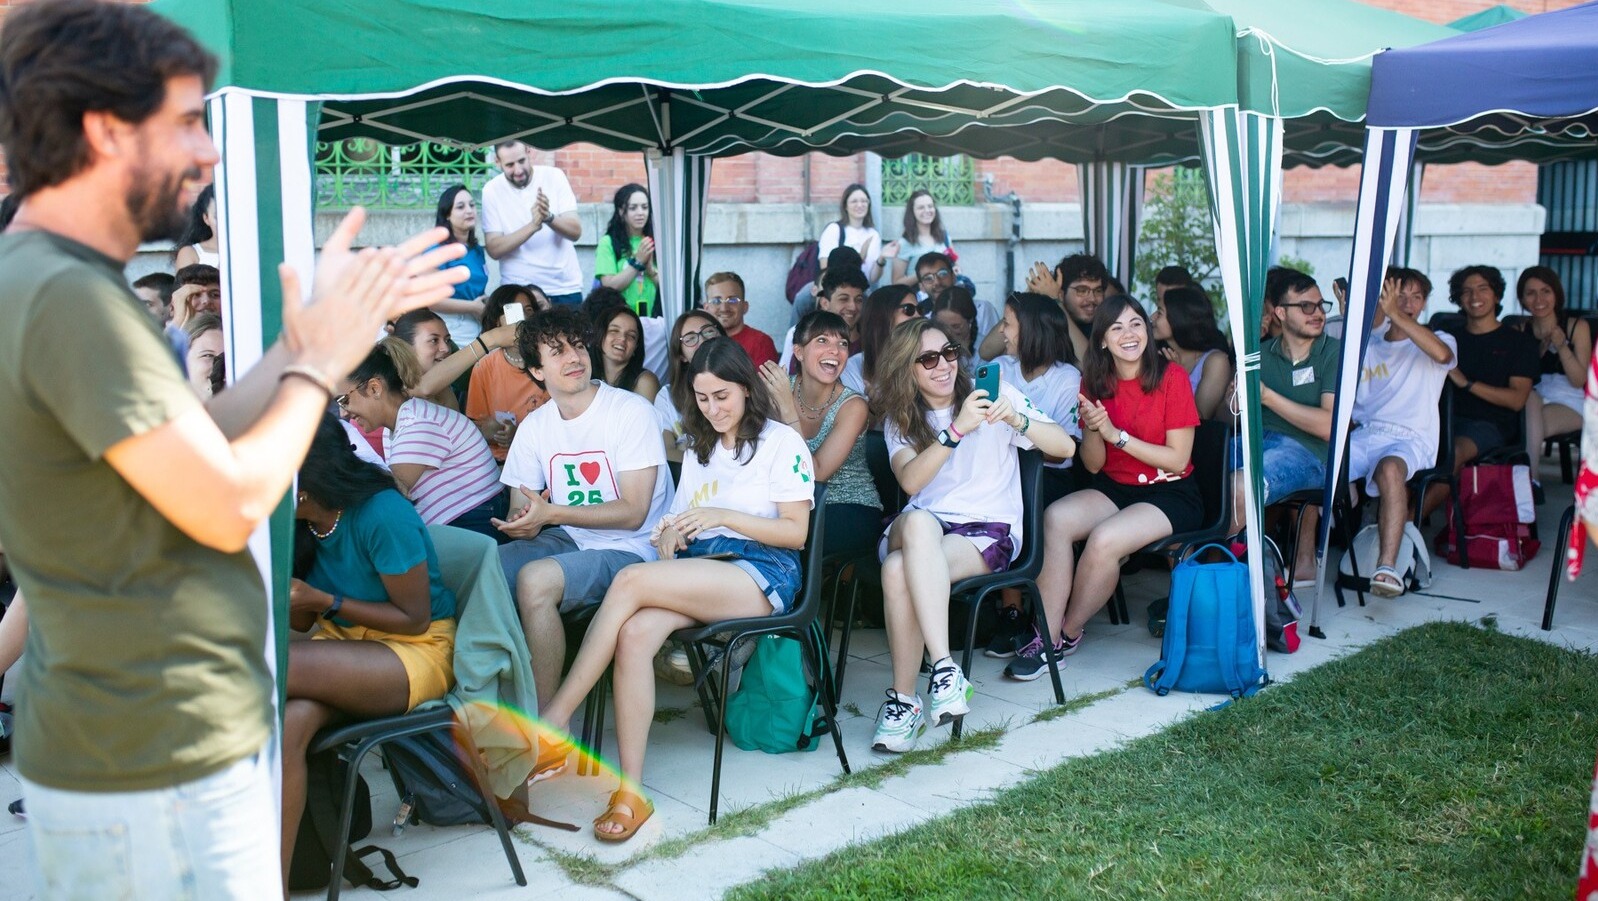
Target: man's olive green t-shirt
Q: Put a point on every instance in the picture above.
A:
(145, 660)
(1302, 382)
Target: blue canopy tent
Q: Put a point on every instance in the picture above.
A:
(1524, 90)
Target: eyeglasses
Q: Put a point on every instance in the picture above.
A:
(1086, 291)
(949, 354)
(343, 401)
(931, 277)
(691, 340)
(718, 301)
(1309, 307)
(910, 309)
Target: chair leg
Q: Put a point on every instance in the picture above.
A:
(495, 816)
(973, 609)
(845, 629)
(346, 813)
(720, 728)
(1566, 523)
(707, 703)
(1567, 472)
(1040, 621)
(827, 690)
(1458, 511)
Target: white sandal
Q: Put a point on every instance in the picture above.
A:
(1390, 587)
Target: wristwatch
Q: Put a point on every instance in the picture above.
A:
(946, 439)
(338, 601)
(1120, 443)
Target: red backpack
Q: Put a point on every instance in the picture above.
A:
(1500, 518)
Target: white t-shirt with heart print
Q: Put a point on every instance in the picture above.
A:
(579, 461)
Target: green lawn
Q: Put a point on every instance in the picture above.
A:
(1444, 762)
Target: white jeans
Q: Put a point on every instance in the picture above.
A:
(215, 837)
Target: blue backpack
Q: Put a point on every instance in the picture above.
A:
(1209, 645)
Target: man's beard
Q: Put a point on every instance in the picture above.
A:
(154, 204)
(519, 183)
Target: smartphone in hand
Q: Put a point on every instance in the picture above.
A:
(988, 380)
(514, 313)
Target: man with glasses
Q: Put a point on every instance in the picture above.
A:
(1080, 283)
(935, 275)
(724, 299)
(1298, 381)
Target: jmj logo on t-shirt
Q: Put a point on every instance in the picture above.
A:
(582, 479)
(705, 493)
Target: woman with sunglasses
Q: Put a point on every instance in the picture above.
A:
(729, 549)
(953, 451)
(831, 418)
(692, 329)
(1185, 322)
(884, 309)
(1138, 421)
(439, 458)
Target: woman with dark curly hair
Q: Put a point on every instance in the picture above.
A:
(367, 574)
(728, 549)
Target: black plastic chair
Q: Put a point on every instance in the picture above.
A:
(1557, 568)
(864, 568)
(801, 624)
(1022, 574)
(356, 740)
(1443, 471)
(1212, 468)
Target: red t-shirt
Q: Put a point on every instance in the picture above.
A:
(1147, 417)
(757, 344)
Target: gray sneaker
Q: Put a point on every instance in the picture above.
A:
(1009, 636)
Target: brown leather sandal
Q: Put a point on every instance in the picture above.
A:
(551, 760)
(629, 822)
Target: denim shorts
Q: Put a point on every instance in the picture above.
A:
(1289, 467)
(775, 570)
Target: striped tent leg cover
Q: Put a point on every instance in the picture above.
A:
(1243, 164)
(1383, 184)
(264, 199)
(679, 189)
(1112, 210)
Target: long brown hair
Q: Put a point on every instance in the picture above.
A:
(726, 359)
(1098, 365)
(678, 378)
(896, 398)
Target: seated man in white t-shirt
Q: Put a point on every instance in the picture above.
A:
(588, 479)
(1395, 411)
(529, 223)
(843, 292)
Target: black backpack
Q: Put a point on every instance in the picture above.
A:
(311, 868)
(437, 788)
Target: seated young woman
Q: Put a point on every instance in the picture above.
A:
(953, 450)
(691, 330)
(831, 418)
(884, 308)
(1138, 421)
(618, 354)
(427, 334)
(728, 549)
(438, 457)
(1185, 321)
(367, 574)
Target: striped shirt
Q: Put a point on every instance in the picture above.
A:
(463, 474)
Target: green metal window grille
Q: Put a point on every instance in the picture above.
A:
(390, 177)
(951, 179)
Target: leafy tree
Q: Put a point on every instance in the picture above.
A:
(1177, 229)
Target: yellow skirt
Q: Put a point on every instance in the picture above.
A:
(427, 658)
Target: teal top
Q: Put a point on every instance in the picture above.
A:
(852, 483)
(381, 536)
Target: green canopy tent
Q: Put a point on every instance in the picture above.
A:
(1144, 82)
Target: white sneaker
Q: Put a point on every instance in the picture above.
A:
(899, 724)
(951, 694)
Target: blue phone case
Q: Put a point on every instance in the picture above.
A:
(988, 380)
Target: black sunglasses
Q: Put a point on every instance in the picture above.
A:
(910, 309)
(949, 354)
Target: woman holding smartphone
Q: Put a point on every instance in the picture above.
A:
(1138, 421)
(728, 549)
(953, 450)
